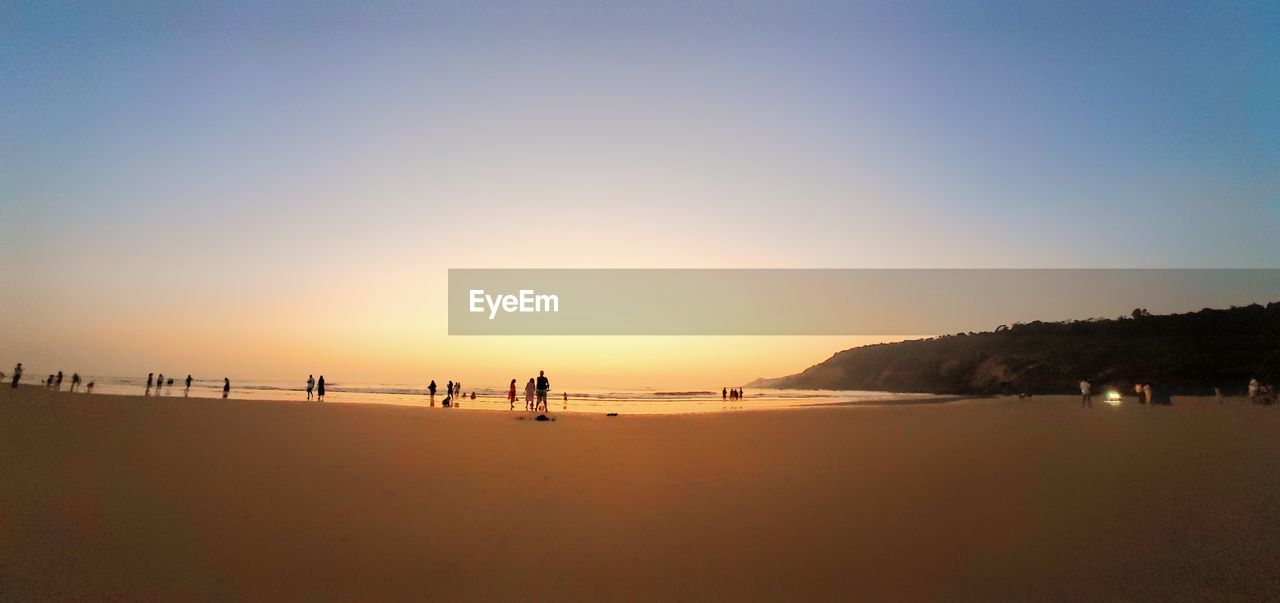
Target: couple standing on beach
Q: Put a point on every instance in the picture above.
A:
(317, 385)
(535, 393)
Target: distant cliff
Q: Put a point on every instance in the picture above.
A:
(1180, 353)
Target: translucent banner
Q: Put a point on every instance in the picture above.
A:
(826, 301)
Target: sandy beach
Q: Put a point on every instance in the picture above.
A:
(118, 497)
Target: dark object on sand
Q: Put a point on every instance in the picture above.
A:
(612, 414)
(541, 418)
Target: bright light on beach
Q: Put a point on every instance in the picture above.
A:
(1113, 398)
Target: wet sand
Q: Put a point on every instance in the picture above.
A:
(144, 498)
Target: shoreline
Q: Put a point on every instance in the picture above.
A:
(419, 401)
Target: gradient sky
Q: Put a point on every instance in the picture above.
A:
(264, 190)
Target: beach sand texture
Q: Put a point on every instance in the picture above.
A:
(143, 498)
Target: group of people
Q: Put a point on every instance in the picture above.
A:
(453, 394)
(535, 393)
(54, 382)
(731, 394)
(160, 383)
(1146, 394)
(1261, 394)
(315, 386)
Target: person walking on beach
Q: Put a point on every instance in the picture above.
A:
(57, 382)
(511, 395)
(17, 375)
(88, 389)
(75, 381)
(159, 383)
(448, 389)
(544, 385)
(311, 384)
(48, 383)
(320, 389)
(150, 377)
(1086, 399)
(528, 394)
(431, 391)
(724, 394)
(226, 387)
(187, 391)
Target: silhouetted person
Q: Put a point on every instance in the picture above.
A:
(48, 383)
(57, 382)
(187, 391)
(311, 384)
(89, 388)
(544, 385)
(320, 389)
(431, 390)
(150, 378)
(448, 391)
(17, 375)
(511, 395)
(159, 383)
(528, 394)
(226, 387)
(473, 394)
(1086, 399)
(75, 381)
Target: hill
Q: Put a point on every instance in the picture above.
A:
(1180, 353)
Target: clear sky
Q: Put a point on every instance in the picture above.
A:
(266, 190)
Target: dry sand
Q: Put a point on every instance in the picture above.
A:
(143, 498)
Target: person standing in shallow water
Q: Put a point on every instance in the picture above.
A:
(320, 389)
(150, 378)
(17, 375)
(544, 385)
(226, 387)
(431, 392)
(187, 391)
(311, 384)
(528, 394)
(511, 395)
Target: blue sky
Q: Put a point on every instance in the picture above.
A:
(165, 161)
